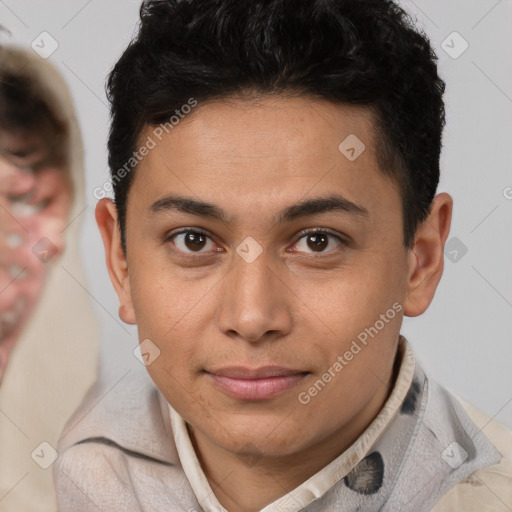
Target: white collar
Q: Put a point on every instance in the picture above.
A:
(323, 480)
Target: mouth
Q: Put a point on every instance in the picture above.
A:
(255, 384)
(21, 208)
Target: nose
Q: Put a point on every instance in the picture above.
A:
(255, 302)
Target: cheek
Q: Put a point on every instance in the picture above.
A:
(171, 372)
(168, 311)
(28, 254)
(167, 299)
(156, 300)
(360, 308)
(354, 297)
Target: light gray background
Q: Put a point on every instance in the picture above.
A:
(465, 338)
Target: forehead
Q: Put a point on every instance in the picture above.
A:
(269, 126)
(262, 149)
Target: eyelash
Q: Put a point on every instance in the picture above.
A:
(302, 234)
(322, 231)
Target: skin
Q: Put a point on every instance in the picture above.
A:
(34, 204)
(297, 305)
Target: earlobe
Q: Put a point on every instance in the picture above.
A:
(425, 258)
(106, 218)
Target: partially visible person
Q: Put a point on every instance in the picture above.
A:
(48, 335)
(35, 206)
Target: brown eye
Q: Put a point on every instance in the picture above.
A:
(192, 241)
(195, 241)
(318, 242)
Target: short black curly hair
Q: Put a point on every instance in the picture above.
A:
(358, 52)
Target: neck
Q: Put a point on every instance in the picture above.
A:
(264, 479)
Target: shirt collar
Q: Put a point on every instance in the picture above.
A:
(326, 478)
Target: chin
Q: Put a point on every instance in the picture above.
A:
(257, 436)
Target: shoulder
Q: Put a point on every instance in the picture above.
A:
(99, 475)
(117, 451)
(92, 476)
(131, 414)
(489, 488)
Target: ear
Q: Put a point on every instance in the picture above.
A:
(106, 218)
(425, 259)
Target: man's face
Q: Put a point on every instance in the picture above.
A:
(250, 310)
(34, 208)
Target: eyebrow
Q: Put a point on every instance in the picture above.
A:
(303, 209)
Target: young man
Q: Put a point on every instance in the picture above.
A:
(275, 165)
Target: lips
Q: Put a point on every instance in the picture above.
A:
(255, 384)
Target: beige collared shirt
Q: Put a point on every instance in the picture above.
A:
(473, 493)
(126, 450)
